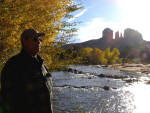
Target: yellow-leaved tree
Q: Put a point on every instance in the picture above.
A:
(86, 54)
(108, 54)
(95, 56)
(115, 56)
(98, 56)
(112, 56)
(42, 15)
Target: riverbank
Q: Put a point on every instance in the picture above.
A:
(140, 68)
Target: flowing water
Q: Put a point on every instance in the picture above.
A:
(91, 92)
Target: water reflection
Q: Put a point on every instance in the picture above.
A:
(76, 92)
(141, 97)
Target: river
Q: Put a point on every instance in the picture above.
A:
(96, 89)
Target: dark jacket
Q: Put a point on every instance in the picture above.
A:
(23, 85)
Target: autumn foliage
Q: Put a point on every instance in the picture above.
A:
(98, 56)
(43, 15)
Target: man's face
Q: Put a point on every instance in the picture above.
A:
(32, 45)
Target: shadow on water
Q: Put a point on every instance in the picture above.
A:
(77, 93)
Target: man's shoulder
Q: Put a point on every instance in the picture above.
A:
(11, 64)
(14, 60)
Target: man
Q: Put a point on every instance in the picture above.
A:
(24, 78)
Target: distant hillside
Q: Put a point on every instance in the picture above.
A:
(131, 45)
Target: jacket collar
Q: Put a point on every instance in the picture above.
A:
(29, 58)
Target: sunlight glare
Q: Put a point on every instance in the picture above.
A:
(135, 14)
(141, 98)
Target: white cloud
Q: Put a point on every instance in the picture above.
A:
(93, 29)
(77, 15)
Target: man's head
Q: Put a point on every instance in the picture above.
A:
(31, 41)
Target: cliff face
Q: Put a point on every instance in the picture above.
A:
(131, 38)
(101, 43)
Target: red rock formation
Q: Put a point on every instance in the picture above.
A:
(117, 35)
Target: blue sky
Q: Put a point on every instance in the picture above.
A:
(115, 14)
(101, 8)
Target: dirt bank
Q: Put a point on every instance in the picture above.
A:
(141, 68)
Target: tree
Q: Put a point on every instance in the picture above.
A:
(112, 56)
(108, 55)
(115, 56)
(97, 56)
(43, 15)
(102, 58)
(86, 53)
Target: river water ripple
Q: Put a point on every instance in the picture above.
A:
(91, 93)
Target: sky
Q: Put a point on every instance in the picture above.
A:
(115, 14)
